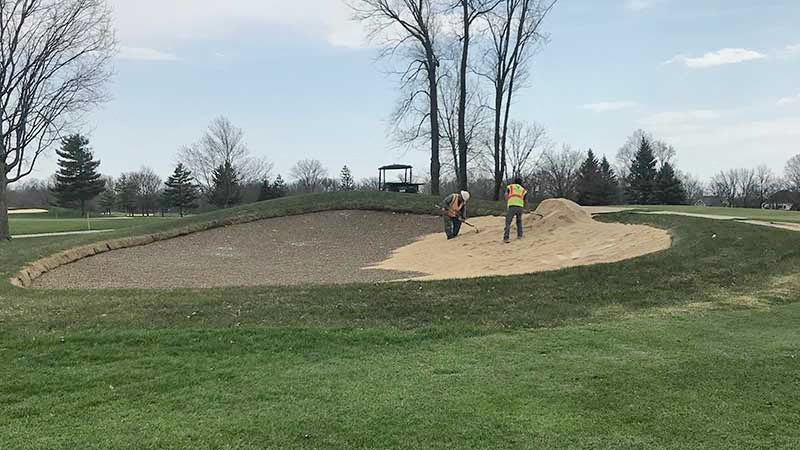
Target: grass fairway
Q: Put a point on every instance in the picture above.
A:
(696, 347)
(768, 215)
(48, 225)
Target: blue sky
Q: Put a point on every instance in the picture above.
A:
(720, 80)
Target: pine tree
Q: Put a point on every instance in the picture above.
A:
(346, 182)
(642, 178)
(279, 187)
(609, 183)
(77, 180)
(126, 191)
(181, 192)
(266, 192)
(589, 182)
(108, 200)
(668, 187)
(226, 190)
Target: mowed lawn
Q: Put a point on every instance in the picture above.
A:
(47, 225)
(696, 347)
(769, 215)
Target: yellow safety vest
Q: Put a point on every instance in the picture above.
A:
(455, 206)
(516, 196)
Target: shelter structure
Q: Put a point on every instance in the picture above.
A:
(406, 181)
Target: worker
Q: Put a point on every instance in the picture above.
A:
(515, 201)
(454, 207)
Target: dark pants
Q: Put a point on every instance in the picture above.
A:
(452, 225)
(513, 211)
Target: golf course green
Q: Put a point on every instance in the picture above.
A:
(694, 347)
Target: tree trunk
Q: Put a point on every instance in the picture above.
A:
(498, 111)
(5, 233)
(462, 101)
(433, 84)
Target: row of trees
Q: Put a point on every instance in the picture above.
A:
(753, 188)
(460, 64)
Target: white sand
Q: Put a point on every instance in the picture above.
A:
(566, 236)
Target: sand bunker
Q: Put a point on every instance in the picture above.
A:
(565, 236)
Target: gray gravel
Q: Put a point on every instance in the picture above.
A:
(327, 247)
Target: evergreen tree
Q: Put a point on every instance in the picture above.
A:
(77, 180)
(346, 182)
(226, 190)
(589, 183)
(108, 200)
(279, 187)
(266, 192)
(127, 191)
(642, 178)
(181, 192)
(609, 183)
(668, 187)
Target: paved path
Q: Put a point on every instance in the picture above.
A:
(65, 233)
(704, 216)
(27, 211)
(605, 209)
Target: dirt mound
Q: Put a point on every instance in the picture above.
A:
(559, 234)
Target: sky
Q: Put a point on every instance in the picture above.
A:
(717, 79)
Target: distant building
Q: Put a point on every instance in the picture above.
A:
(708, 200)
(785, 199)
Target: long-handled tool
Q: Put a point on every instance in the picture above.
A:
(440, 208)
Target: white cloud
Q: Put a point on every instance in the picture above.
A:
(718, 58)
(789, 100)
(154, 22)
(609, 106)
(145, 54)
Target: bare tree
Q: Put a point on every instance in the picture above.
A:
(766, 184)
(54, 63)
(725, 186)
(146, 186)
(748, 187)
(408, 28)
(513, 28)
(792, 173)
(559, 172)
(371, 184)
(471, 10)
(309, 175)
(223, 143)
(448, 118)
(524, 141)
(694, 187)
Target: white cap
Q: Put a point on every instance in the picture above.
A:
(465, 195)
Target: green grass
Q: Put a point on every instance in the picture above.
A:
(749, 213)
(45, 225)
(696, 347)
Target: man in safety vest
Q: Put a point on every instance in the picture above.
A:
(515, 200)
(455, 209)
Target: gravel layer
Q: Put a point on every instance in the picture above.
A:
(320, 248)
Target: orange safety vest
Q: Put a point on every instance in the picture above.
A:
(455, 206)
(516, 195)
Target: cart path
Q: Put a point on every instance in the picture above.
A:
(63, 233)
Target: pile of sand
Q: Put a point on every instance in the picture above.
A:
(564, 236)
